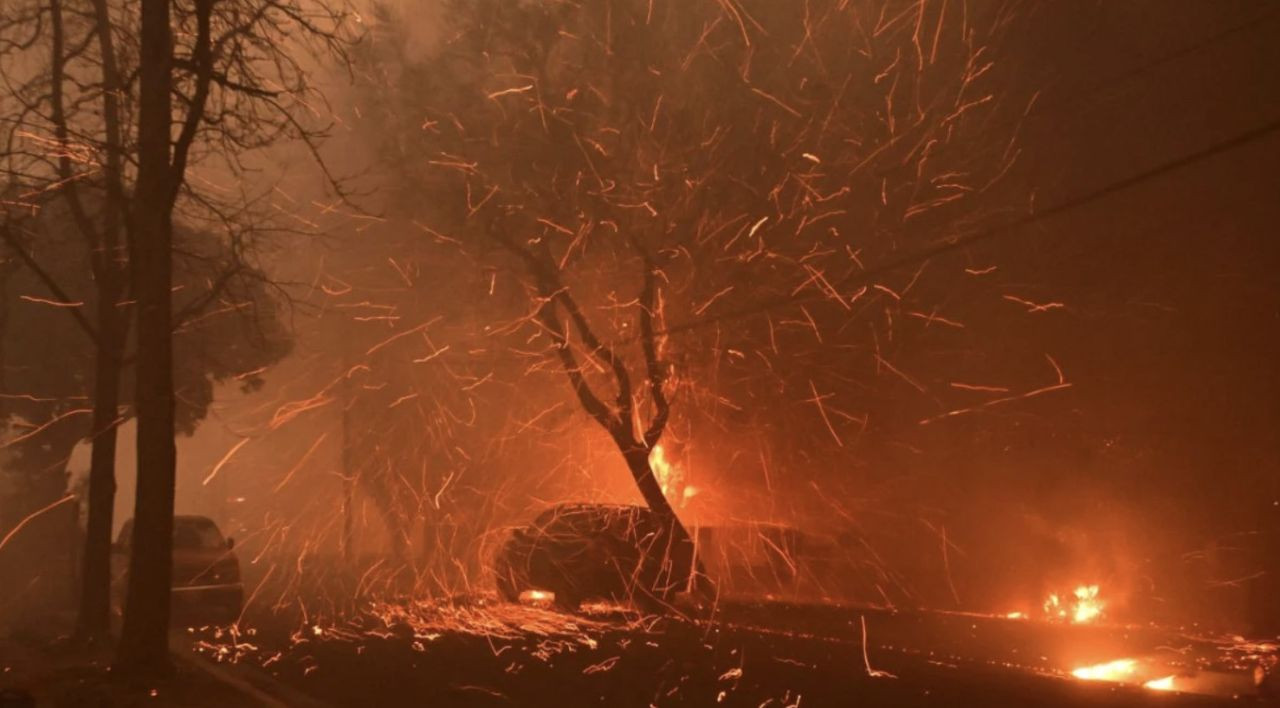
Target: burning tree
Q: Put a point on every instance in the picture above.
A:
(664, 178)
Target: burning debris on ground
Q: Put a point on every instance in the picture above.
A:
(639, 352)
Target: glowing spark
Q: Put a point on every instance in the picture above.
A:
(715, 297)
(602, 666)
(400, 335)
(289, 411)
(776, 101)
(504, 92)
(54, 303)
(866, 659)
(935, 317)
(731, 674)
(14, 531)
(978, 387)
(817, 401)
(553, 225)
(1032, 306)
(37, 431)
(305, 456)
(224, 459)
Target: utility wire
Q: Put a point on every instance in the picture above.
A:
(1063, 105)
(1060, 105)
(865, 276)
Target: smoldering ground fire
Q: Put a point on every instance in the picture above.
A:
(647, 352)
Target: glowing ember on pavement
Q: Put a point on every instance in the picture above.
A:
(537, 597)
(1118, 670)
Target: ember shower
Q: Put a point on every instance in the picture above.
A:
(547, 148)
(787, 268)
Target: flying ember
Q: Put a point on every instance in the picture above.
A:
(376, 347)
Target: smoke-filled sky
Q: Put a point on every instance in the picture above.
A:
(1160, 309)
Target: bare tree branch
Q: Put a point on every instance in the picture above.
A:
(654, 367)
(52, 284)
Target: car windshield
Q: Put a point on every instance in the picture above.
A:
(196, 533)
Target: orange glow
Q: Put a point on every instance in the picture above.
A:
(670, 478)
(1160, 684)
(1083, 607)
(1118, 670)
(1088, 606)
(537, 597)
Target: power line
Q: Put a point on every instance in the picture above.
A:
(920, 257)
(1065, 105)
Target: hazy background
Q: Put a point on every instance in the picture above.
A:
(1163, 448)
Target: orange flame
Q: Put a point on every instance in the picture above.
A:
(1084, 607)
(1118, 670)
(670, 478)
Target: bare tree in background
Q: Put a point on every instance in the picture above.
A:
(652, 168)
(209, 84)
(46, 152)
(227, 325)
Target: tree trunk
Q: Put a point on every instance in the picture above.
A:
(680, 551)
(113, 324)
(144, 643)
(93, 622)
(646, 481)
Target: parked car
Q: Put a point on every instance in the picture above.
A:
(206, 570)
(577, 552)
(770, 561)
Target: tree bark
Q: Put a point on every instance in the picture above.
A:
(93, 622)
(144, 642)
(634, 446)
(680, 551)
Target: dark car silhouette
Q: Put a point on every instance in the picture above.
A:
(580, 552)
(206, 571)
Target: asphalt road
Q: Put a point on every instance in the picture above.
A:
(766, 654)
